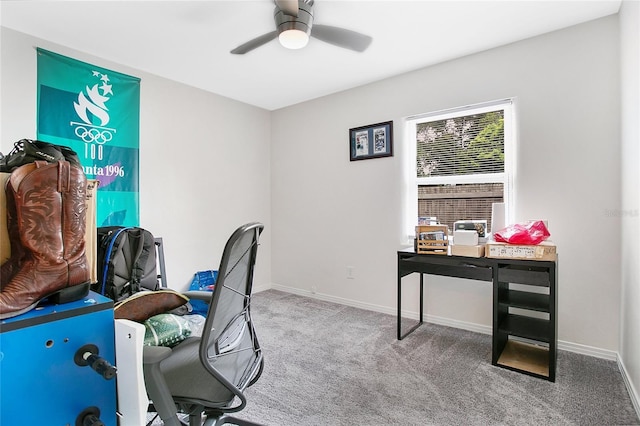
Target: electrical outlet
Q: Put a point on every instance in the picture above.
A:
(314, 289)
(350, 272)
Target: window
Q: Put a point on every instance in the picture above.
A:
(462, 163)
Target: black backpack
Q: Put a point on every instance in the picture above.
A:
(126, 262)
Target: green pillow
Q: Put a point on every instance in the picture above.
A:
(166, 330)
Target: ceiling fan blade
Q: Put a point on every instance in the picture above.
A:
(341, 37)
(255, 43)
(290, 7)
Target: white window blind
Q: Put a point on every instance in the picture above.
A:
(466, 145)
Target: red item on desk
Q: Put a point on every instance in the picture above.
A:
(530, 233)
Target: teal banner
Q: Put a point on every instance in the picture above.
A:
(95, 112)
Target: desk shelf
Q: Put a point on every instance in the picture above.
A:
(526, 327)
(525, 300)
(520, 356)
(537, 358)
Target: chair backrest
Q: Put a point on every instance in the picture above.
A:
(229, 348)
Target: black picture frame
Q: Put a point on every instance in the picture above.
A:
(372, 141)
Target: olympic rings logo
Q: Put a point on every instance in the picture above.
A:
(93, 135)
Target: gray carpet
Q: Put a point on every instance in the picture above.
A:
(329, 364)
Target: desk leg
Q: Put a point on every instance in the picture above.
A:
(400, 335)
(421, 296)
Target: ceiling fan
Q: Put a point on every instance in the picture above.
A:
(294, 26)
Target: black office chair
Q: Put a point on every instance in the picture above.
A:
(205, 377)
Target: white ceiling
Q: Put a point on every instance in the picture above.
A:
(189, 41)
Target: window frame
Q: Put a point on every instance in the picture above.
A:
(507, 177)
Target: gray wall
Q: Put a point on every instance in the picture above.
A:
(335, 213)
(630, 216)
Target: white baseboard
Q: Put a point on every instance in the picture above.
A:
(633, 393)
(386, 310)
(263, 287)
(478, 328)
(587, 350)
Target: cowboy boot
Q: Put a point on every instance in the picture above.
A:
(50, 207)
(11, 266)
(28, 151)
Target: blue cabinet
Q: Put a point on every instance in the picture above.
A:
(41, 381)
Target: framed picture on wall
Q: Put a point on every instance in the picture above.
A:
(372, 141)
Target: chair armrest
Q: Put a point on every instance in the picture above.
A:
(205, 296)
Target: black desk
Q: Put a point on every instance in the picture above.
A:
(534, 349)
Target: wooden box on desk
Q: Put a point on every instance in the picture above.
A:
(432, 246)
(468, 251)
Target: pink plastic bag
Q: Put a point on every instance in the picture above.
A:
(529, 233)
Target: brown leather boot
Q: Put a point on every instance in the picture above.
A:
(50, 207)
(11, 266)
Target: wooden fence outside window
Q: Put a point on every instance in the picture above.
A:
(449, 203)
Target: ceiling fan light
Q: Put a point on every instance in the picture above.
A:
(293, 39)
